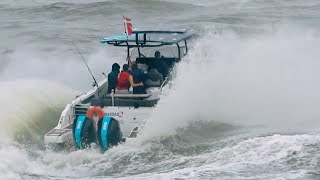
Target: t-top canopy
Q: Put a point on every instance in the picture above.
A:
(148, 38)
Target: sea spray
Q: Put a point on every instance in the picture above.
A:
(268, 80)
(27, 101)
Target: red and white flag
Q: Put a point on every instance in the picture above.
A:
(127, 25)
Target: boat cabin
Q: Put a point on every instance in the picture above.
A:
(141, 47)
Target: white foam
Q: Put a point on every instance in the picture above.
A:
(63, 65)
(22, 100)
(269, 80)
(255, 158)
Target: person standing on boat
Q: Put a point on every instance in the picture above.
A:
(138, 77)
(113, 77)
(125, 81)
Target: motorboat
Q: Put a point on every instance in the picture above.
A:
(109, 119)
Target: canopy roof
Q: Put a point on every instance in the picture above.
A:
(148, 38)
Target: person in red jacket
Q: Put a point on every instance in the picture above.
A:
(125, 81)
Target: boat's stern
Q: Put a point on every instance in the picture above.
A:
(104, 121)
(62, 133)
(58, 136)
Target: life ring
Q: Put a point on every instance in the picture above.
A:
(96, 110)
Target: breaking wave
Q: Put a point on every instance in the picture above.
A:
(268, 80)
(31, 107)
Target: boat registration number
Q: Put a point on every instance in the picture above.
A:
(119, 114)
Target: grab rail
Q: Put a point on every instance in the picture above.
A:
(129, 96)
(113, 95)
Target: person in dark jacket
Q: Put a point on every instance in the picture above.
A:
(113, 77)
(138, 77)
(159, 64)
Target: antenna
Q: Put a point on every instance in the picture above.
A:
(86, 64)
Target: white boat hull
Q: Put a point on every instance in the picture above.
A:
(130, 118)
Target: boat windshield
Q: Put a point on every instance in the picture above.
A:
(169, 51)
(166, 51)
(171, 44)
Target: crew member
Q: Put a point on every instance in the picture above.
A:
(125, 81)
(113, 77)
(138, 77)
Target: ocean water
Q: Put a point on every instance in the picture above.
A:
(244, 103)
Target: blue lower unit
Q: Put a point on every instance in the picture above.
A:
(108, 132)
(104, 132)
(77, 131)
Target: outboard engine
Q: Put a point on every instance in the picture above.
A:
(106, 132)
(83, 132)
(109, 133)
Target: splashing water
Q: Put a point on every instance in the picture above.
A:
(26, 101)
(266, 80)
